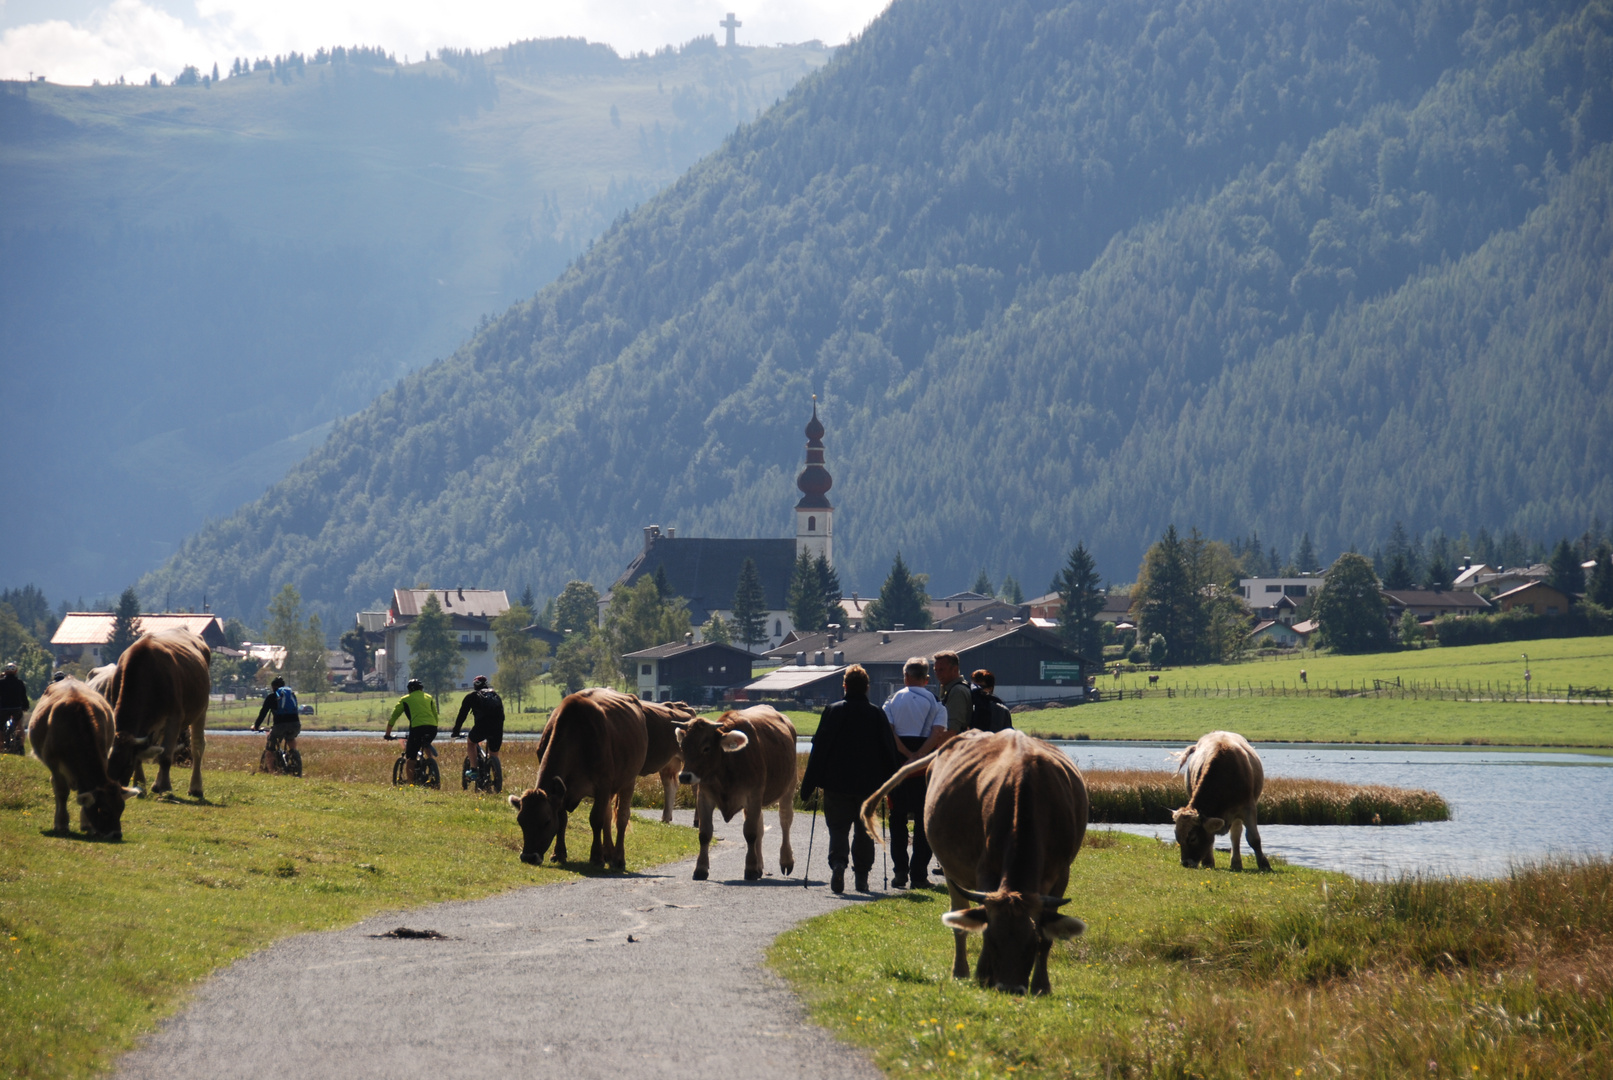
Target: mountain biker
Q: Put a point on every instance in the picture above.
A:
(420, 708)
(281, 702)
(13, 704)
(487, 707)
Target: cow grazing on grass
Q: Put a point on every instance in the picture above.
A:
(1224, 780)
(594, 745)
(743, 761)
(71, 732)
(160, 686)
(1005, 816)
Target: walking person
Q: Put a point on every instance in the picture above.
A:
(853, 752)
(954, 696)
(14, 705)
(920, 725)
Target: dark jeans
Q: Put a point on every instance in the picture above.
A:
(907, 801)
(840, 816)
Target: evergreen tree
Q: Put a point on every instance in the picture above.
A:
(1398, 574)
(577, 608)
(662, 588)
(1567, 576)
(1439, 574)
(750, 607)
(519, 654)
(808, 611)
(355, 644)
(901, 601)
(1305, 557)
(1011, 593)
(1351, 609)
(1600, 590)
(1080, 590)
(125, 626)
(434, 656)
(829, 586)
(1168, 596)
(1402, 557)
(983, 584)
(716, 631)
(527, 600)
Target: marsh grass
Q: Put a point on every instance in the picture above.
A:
(1147, 797)
(102, 940)
(1214, 974)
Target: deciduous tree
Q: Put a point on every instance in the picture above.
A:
(1351, 609)
(518, 653)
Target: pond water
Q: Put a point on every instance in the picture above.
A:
(1507, 808)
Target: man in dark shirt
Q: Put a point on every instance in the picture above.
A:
(13, 704)
(280, 703)
(853, 753)
(484, 704)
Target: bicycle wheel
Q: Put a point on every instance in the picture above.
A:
(399, 776)
(294, 762)
(498, 776)
(433, 776)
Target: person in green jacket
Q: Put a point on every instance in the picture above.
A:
(420, 710)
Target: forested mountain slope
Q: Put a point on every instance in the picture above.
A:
(198, 278)
(1060, 271)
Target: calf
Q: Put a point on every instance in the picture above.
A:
(71, 732)
(1005, 815)
(743, 761)
(1224, 780)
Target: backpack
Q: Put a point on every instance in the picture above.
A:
(285, 703)
(990, 714)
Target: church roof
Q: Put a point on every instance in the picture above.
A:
(704, 570)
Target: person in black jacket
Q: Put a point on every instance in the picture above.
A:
(13, 704)
(487, 710)
(853, 753)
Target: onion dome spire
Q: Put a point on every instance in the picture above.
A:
(814, 480)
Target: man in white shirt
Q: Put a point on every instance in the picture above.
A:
(920, 725)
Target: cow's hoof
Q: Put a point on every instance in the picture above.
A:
(786, 869)
(531, 859)
(753, 875)
(701, 875)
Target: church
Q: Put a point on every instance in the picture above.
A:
(705, 570)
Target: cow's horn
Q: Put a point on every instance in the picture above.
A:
(1054, 902)
(977, 897)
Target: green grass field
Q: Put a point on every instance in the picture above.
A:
(1211, 974)
(103, 940)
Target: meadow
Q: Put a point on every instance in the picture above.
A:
(1181, 973)
(102, 940)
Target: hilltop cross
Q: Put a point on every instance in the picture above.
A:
(730, 24)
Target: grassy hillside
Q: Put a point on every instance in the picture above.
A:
(1061, 270)
(199, 279)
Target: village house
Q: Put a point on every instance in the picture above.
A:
(697, 672)
(1265, 596)
(1430, 604)
(83, 634)
(471, 613)
(1536, 597)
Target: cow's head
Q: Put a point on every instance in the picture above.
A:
(1195, 836)
(538, 813)
(1014, 930)
(101, 810)
(126, 750)
(703, 744)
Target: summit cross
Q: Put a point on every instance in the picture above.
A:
(730, 24)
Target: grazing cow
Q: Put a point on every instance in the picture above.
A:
(1005, 815)
(594, 745)
(71, 732)
(745, 760)
(1153, 679)
(160, 686)
(1224, 779)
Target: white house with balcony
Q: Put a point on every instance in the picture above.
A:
(471, 613)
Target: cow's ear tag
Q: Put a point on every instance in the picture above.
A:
(734, 740)
(972, 920)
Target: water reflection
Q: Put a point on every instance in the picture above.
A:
(1506, 808)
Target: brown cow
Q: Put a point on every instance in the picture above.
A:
(1224, 780)
(743, 761)
(160, 686)
(71, 732)
(1005, 815)
(593, 745)
(665, 756)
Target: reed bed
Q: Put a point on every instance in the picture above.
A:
(1147, 797)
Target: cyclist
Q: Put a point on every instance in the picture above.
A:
(420, 709)
(13, 704)
(487, 707)
(280, 701)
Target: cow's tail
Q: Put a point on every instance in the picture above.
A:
(871, 804)
(1184, 757)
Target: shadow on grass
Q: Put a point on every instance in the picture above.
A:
(78, 837)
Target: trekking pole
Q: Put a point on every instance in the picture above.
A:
(806, 871)
(884, 849)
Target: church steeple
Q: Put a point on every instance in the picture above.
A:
(814, 514)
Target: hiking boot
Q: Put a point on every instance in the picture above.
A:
(837, 879)
(899, 881)
(921, 883)
(862, 881)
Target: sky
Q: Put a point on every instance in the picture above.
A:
(79, 41)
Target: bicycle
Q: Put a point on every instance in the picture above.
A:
(423, 764)
(487, 774)
(277, 758)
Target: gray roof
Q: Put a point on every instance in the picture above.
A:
(895, 646)
(678, 648)
(705, 570)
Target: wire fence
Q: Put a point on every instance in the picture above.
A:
(1397, 688)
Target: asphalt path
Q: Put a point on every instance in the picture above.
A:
(538, 982)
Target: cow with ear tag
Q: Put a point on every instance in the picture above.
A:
(1224, 781)
(1005, 815)
(71, 732)
(743, 761)
(592, 747)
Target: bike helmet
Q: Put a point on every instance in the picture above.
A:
(277, 683)
(416, 684)
(11, 668)
(479, 683)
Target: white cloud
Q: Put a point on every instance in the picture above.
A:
(134, 38)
